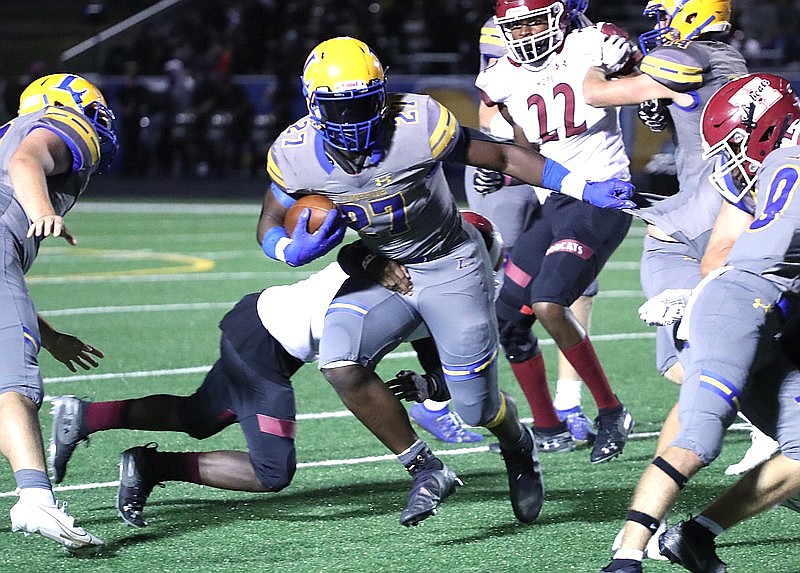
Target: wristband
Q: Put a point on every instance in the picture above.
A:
(274, 243)
(553, 174)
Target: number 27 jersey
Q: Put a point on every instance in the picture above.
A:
(399, 202)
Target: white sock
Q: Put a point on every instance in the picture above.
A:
(633, 554)
(37, 496)
(434, 406)
(568, 394)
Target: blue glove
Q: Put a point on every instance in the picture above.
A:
(305, 247)
(611, 194)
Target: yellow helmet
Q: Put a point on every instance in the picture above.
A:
(345, 90)
(685, 20)
(75, 92)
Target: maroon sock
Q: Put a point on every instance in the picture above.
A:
(105, 415)
(175, 466)
(532, 379)
(585, 362)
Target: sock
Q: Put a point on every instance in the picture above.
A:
(105, 415)
(712, 526)
(532, 379)
(34, 487)
(568, 394)
(174, 466)
(433, 406)
(585, 362)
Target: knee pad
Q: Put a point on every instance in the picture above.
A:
(277, 471)
(517, 339)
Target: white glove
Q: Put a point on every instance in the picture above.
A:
(665, 308)
(614, 54)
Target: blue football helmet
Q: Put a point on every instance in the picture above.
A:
(345, 90)
(684, 20)
(70, 90)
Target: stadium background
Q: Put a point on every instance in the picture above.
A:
(244, 59)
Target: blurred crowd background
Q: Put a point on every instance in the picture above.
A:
(201, 87)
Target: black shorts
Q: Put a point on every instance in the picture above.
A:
(250, 384)
(560, 253)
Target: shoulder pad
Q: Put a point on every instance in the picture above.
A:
(678, 66)
(491, 43)
(76, 132)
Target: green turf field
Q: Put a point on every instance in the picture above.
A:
(147, 285)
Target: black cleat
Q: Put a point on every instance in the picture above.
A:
(691, 546)
(68, 431)
(525, 483)
(613, 429)
(622, 566)
(134, 488)
(433, 483)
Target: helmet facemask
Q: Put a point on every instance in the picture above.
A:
(533, 49)
(349, 120)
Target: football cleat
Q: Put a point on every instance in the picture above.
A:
(433, 483)
(622, 566)
(134, 487)
(553, 442)
(68, 430)
(446, 425)
(613, 429)
(792, 503)
(761, 449)
(525, 483)
(692, 547)
(581, 427)
(651, 550)
(54, 523)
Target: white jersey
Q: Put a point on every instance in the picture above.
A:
(294, 314)
(548, 104)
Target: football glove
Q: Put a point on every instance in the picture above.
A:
(666, 308)
(304, 247)
(653, 113)
(412, 387)
(614, 54)
(611, 194)
(486, 181)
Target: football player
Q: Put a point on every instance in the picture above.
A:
(378, 157)
(538, 88)
(61, 137)
(750, 130)
(265, 339)
(511, 210)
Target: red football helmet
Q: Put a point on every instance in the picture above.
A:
(744, 121)
(512, 14)
(490, 234)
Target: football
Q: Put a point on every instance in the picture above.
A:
(319, 205)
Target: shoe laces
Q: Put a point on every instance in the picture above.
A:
(451, 424)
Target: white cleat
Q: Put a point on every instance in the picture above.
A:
(760, 450)
(54, 523)
(651, 551)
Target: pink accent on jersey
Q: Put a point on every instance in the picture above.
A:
(516, 274)
(276, 427)
(570, 246)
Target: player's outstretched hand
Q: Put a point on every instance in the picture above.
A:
(486, 181)
(51, 225)
(412, 387)
(71, 351)
(389, 274)
(305, 247)
(666, 308)
(653, 113)
(610, 194)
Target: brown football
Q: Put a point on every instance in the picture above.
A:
(319, 205)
